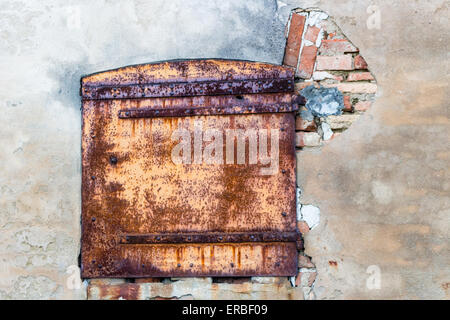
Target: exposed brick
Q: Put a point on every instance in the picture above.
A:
(331, 35)
(336, 46)
(347, 104)
(294, 40)
(299, 86)
(311, 278)
(311, 33)
(322, 75)
(360, 76)
(341, 62)
(353, 87)
(305, 279)
(268, 280)
(304, 125)
(191, 288)
(342, 122)
(307, 61)
(307, 139)
(305, 262)
(302, 227)
(362, 105)
(360, 63)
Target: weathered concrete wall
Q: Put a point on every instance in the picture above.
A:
(382, 186)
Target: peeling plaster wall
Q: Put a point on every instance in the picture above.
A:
(381, 186)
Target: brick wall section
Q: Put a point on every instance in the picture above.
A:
(327, 58)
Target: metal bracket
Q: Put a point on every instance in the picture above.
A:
(222, 237)
(185, 89)
(205, 111)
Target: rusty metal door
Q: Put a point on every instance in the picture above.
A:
(158, 200)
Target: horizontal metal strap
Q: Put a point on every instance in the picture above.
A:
(205, 111)
(215, 237)
(188, 89)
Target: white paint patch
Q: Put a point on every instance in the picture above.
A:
(308, 43)
(299, 205)
(322, 75)
(327, 132)
(292, 280)
(315, 18)
(311, 215)
(319, 38)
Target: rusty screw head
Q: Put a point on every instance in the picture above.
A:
(113, 160)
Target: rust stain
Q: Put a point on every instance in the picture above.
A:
(145, 216)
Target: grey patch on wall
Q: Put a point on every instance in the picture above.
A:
(263, 40)
(323, 102)
(68, 77)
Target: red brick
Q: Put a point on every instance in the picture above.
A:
(347, 104)
(353, 87)
(299, 86)
(305, 262)
(303, 227)
(336, 46)
(304, 125)
(312, 33)
(307, 139)
(307, 61)
(360, 63)
(331, 35)
(360, 76)
(294, 40)
(341, 62)
(311, 278)
(363, 105)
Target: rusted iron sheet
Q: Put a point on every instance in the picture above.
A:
(189, 71)
(188, 260)
(208, 111)
(217, 237)
(183, 89)
(131, 185)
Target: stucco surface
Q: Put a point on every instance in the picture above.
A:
(382, 186)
